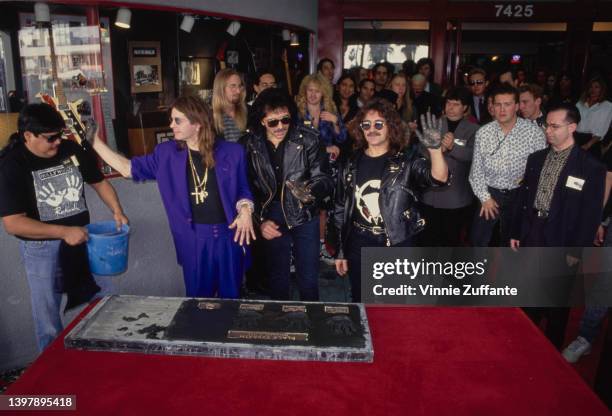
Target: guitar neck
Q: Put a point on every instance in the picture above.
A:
(59, 88)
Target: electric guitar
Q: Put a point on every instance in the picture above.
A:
(221, 54)
(287, 73)
(75, 129)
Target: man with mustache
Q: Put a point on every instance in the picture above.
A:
(375, 204)
(289, 175)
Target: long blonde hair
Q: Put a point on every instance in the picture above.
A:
(197, 112)
(220, 101)
(406, 113)
(327, 94)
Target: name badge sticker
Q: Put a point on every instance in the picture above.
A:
(574, 183)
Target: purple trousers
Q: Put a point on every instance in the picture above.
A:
(213, 265)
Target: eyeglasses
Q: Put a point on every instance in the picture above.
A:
(477, 82)
(554, 126)
(274, 122)
(53, 138)
(366, 125)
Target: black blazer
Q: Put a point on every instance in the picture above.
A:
(574, 214)
(485, 117)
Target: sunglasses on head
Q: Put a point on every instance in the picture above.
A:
(477, 82)
(274, 122)
(366, 125)
(53, 138)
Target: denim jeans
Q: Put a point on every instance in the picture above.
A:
(359, 239)
(305, 241)
(590, 324)
(43, 271)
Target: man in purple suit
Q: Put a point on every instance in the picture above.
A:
(208, 235)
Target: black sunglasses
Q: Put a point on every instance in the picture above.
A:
(366, 125)
(273, 123)
(54, 138)
(477, 82)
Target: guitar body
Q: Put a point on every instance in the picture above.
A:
(75, 129)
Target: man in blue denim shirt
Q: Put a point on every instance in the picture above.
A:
(42, 202)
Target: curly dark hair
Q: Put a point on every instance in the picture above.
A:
(270, 99)
(386, 110)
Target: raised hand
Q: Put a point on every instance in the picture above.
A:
(91, 131)
(431, 134)
(301, 191)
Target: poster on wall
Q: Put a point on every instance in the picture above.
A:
(145, 67)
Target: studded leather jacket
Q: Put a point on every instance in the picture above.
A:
(304, 161)
(405, 176)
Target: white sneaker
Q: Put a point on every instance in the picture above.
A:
(576, 349)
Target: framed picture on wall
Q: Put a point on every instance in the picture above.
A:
(145, 67)
(196, 76)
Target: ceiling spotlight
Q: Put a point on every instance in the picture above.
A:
(233, 27)
(295, 40)
(187, 23)
(41, 13)
(286, 35)
(124, 16)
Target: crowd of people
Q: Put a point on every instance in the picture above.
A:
(381, 158)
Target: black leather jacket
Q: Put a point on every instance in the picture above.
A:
(405, 175)
(304, 161)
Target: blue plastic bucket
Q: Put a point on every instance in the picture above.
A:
(107, 248)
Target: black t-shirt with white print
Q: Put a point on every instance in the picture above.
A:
(369, 174)
(48, 189)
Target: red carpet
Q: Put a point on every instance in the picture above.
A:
(427, 361)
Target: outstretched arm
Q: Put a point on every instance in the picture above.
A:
(118, 162)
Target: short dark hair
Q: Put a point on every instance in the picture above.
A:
(533, 89)
(36, 118)
(270, 99)
(260, 73)
(363, 81)
(572, 115)
(380, 64)
(39, 118)
(503, 89)
(480, 71)
(426, 61)
(458, 94)
(322, 62)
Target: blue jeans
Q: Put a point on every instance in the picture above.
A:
(305, 241)
(590, 324)
(43, 271)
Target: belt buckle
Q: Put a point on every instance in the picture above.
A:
(542, 214)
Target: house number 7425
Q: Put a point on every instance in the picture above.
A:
(514, 10)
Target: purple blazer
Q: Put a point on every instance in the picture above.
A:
(168, 165)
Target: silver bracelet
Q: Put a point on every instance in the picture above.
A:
(245, 201)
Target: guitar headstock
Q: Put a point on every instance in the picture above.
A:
(220, 55)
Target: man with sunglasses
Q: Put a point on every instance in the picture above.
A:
(42, 202)
(290, 177)
(560, 204)
(375, 204)
(477, 81)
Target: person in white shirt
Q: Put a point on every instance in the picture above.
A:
(595, 112)
(501, 149)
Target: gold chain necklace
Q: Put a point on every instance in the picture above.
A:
(199, 191)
